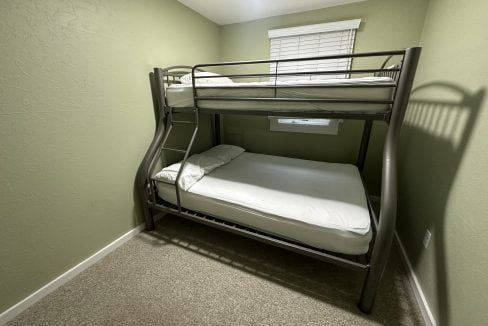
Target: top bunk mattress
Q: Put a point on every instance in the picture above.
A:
(378, 88)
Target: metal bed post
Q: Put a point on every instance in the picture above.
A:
(216, 132)
(363, 148)
(388, 206)
(144, 187)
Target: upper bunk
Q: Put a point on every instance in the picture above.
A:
(294, 87)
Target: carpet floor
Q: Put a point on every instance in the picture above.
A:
(184, 273)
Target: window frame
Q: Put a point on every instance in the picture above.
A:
(332, 127)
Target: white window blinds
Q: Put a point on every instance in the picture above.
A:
(310, 41)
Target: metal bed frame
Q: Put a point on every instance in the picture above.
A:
(373, 262)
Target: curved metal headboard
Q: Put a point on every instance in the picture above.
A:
(172, 75)
(393, 74)
(168, 76)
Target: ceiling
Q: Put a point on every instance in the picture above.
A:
(225, 12)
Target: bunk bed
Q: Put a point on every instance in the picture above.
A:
(317, 209)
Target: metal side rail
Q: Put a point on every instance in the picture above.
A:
(347, 261)
(186, 151)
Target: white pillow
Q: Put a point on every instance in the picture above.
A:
(207, 163)
(191, 174)
(195, 168)
(186, 79)
(224, 153)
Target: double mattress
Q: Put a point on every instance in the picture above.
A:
(366, 88)
(316, 203)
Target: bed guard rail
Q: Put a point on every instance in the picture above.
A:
(276, 74)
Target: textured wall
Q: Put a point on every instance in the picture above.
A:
(444, 163)
(76, 117)
(75, 120)
(386, 25)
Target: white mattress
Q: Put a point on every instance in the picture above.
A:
(316, 203)
(181, 95)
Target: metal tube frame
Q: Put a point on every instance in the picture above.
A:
(388, 203)
(383, 228)
(363, 148)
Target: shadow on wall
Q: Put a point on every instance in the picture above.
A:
(436, 131)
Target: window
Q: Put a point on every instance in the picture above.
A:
(310, 41)
(305, 125)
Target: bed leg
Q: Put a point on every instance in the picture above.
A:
(388, 209)
(148, 214)
(149, 219)
(374, 274)
(368, 293)
(143, 199)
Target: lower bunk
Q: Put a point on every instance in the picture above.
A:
(318, 204)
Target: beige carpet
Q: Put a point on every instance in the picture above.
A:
(188, 274)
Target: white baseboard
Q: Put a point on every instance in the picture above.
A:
(16, 309)
(417, 290)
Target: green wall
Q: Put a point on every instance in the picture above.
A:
(76, 117)
(386, 25)
(444, 163)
